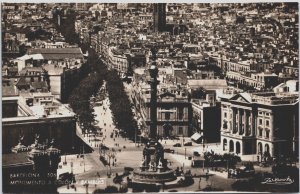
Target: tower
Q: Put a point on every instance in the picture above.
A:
(159, 17)
(153, 108)
(153, 169)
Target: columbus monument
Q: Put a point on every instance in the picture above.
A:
(153, 170)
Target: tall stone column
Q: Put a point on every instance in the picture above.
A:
(247, 126)
(153, 101)
(233, 120)
(253, 124)
(250, 123)
(245, 122)
(239, 121)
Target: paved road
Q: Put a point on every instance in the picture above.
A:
(131, 156)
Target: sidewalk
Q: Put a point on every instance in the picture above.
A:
(179, 160)
(105, 122)
(74, 164)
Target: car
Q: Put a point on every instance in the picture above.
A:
(128, 169)
(103, 147)
(188, 144)
(196, 154)
(168, 150)
(241, 172)
(177, 145)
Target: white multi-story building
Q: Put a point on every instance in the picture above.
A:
(260, 123)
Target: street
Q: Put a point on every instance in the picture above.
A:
(126, 153)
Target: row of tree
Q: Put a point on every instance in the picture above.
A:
(120, 104)
(80, 96)
(90, 80)
(79, 99)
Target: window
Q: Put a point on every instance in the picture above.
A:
(180, 130)
(167, 116)
(225, 115)
(180, 113)
(267, 123)
(267, 114)
(260, 113)
(267, 133)
(260, 121)
(260, 132)
(225, 126)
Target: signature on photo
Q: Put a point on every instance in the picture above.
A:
(278, 181)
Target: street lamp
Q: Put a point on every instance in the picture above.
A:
(199, 183)
(135, 136)
(139, 127)
(110, 155)
(83, 165)
(86, 187)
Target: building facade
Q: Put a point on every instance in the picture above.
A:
(260, 123)
(206, 118)
(37, 113)
(174, 111)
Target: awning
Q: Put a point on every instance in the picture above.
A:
(196, 136)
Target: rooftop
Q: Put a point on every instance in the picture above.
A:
(46, 107)
(58, 53)
(272, 98)
(207, 83)
(32, 56)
